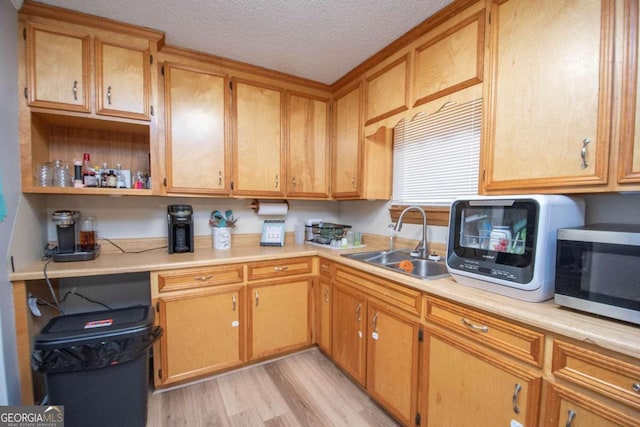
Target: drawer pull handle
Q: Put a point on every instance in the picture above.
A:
(109, 95)
(75, 90)
(204, 278)
(283, 268)
(570, 416)
(473, 327)
(636, 387)
(325, 267)
(219, 177)
(358, 308)
(326, 295)
(257, 298)
(514, 399)
(234, 300)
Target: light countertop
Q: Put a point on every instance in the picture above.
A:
(613, 335)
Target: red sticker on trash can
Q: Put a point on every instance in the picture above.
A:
(98, 323)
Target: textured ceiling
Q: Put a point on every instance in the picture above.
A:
(321, 40)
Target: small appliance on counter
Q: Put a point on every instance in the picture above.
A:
(180, 228)
(507, 244)
(68, 230)
(598, 270)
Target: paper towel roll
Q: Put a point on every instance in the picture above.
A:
(273, 209)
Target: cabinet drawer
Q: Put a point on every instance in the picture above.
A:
(195, 278)
(513, 340)
(279, 268)
(607, 375)
(326, 268)
(397, 295)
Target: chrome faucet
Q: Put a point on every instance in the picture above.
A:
(422, 246)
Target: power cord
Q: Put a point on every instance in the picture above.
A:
(132, 252)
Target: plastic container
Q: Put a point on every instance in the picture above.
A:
(96, 365)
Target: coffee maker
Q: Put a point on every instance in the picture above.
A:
(66, 228)
(180, 233)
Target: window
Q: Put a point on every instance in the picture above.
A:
(436, 157)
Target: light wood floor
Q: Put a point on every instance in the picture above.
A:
(305, 389)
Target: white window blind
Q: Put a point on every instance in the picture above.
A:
(436, 157)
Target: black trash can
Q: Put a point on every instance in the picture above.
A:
(96, 365)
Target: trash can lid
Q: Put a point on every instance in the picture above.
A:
(96, 324)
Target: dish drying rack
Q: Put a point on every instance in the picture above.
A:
(325, 232)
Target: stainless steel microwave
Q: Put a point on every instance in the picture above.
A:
(506, 244)
(598, 270)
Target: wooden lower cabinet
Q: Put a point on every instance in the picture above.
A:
(464, 385)
(392, 360)
(203, 332)
(350, 330)
(278, 316)
(323, 299)
(567, 407)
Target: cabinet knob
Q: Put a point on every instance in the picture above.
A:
(636, 387)
(583, 153)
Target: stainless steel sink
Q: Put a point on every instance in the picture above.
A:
(390, 259)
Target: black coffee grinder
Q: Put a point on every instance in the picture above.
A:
(180, 233)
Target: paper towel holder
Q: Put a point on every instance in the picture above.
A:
(255, 204)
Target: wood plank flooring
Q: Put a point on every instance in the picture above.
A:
(304, 389)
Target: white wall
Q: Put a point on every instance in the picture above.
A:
(10, 175)
(140, 217)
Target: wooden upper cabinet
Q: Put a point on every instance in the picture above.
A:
(549, 118)
(307, 146)
(196, 120)
(387, 91)
(347, 146)
(629, 154)
(123, 78)
(58, 68)
(450, 60)
(258, 146)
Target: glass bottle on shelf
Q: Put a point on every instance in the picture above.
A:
(139, 182)
(88, 174)
(104, 173)
(112, 180)
(120, 181)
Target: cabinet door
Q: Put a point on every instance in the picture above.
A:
(565, 407)
(196, 117)
(347, 145)
(550, 96)
(392, 375)
(323, 314)
(307, 146)
(258, 151)
(629, 154)
(58, 69)
(467, 387)
(278, 317)
(349, 331)
(202, 333)
(123, 77)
